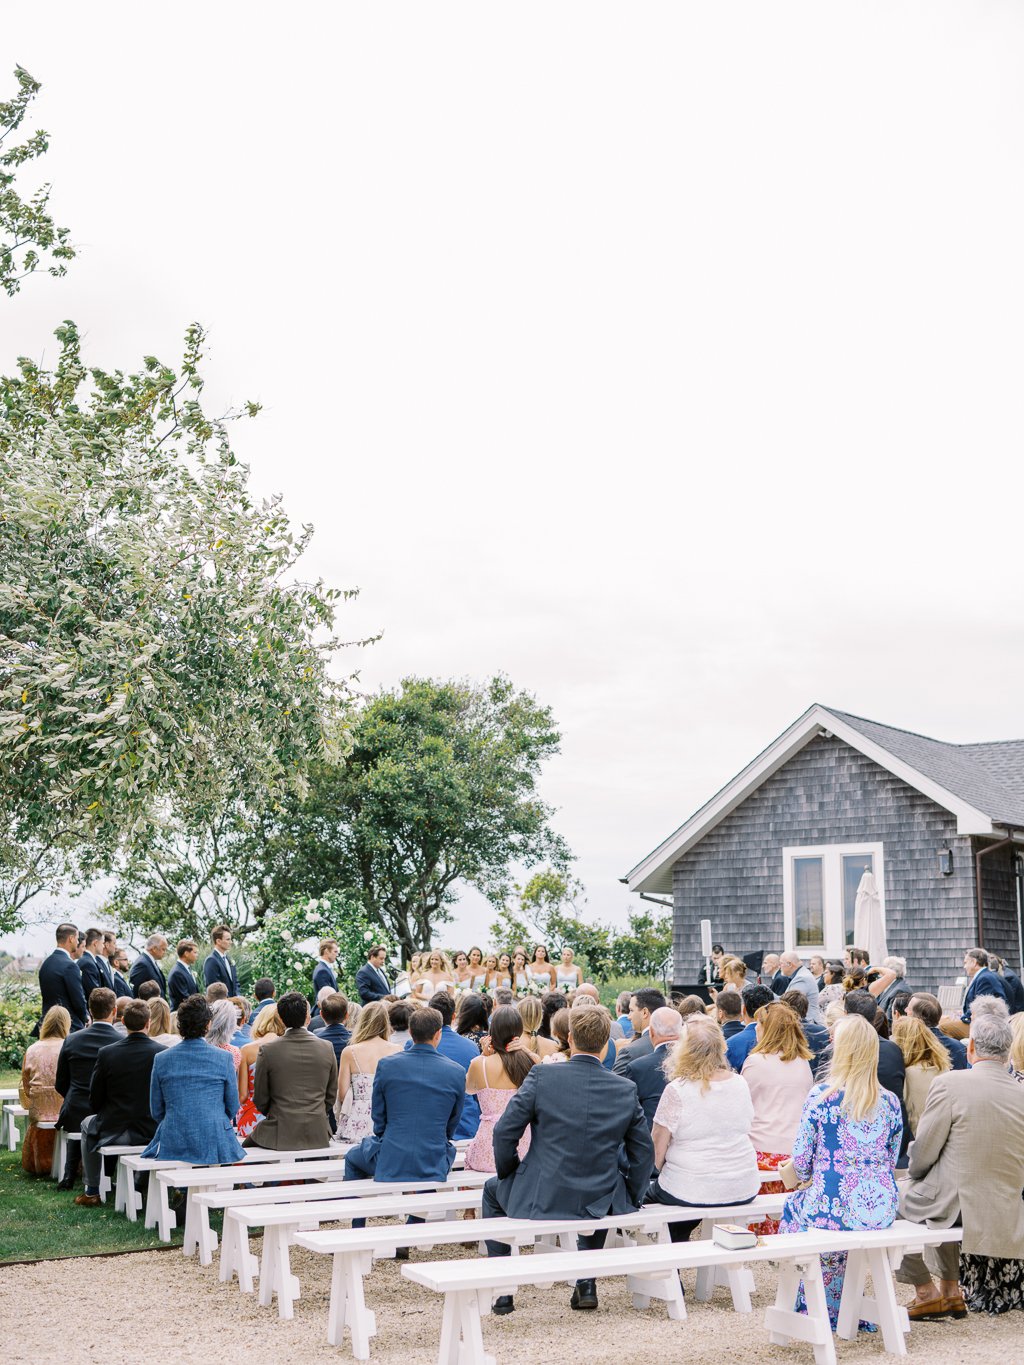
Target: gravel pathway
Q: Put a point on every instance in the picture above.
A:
(143, 1306)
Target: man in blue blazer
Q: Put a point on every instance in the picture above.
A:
(146, 966)
(324, 973)
(88, 964)
(580, 1117)
(218, 966)
(418, 1097)
(371, 979)
(981, 981)
(60, 981)
(648, 1073)
(119, 970)
(460, 1050)
(182, 981)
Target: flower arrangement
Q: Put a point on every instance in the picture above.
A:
(531, 988)
(286, 946)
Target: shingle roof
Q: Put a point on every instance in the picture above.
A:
(989, 777)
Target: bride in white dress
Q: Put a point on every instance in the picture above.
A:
(439, 975)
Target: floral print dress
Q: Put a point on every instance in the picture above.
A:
(850, 1164)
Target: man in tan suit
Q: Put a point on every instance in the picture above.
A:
(296, 1084)
(967, 1167)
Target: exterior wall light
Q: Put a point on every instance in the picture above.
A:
(946, 862)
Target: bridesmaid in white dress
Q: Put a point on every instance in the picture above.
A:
(568, 976)
(439, 975)
(463, 975)
(541, 969)
(503, 976)
(477, 969)
(520, 971)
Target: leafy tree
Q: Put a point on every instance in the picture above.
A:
(286, 944)
(159, 666)
(549, 913)
(645, 946)
(438, 788)
(28, 235)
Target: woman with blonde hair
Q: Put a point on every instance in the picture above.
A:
(845, 1150)
(370, 1042)
(160, 1022)
(701, 1131)
(267, 1027)
(532, 1013)
(778, 1072)
(36, 1092)
(1017, 1046)
(437, 974)
(924, 1058)
(734, 973)
(560, 1037)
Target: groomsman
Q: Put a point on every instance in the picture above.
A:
(324, 973)
(218, 966)
(119, 968)
(371, 979)
(182, 982)
(146, 966)
(105, 959)
(60, 981)
(88, 963)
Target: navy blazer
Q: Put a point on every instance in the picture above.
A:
(648, 1075)
(369, 984)
(60, 982)
(92, 977)
(121, 986)
(106, 972)
(193, 1097)
(464, 1051)
(1014, 991)
(632, 1052)
(418, 1097)
(75, 1066)
(983, 983)
(143, 970)
(181, 984)
(337, 1035)
(576, 1109)
(217, 968)
(957, 1051)
(323, 976)
(119, 1094)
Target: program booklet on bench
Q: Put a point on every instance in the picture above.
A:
(733, 1237)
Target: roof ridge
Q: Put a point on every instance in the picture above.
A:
(900, 730)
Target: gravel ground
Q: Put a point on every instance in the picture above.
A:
(143, 1306)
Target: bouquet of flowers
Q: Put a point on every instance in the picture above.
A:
(531, 988)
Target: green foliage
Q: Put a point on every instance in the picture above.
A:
(160, 670)
(29, 238)
(274, 949)
(20, 1003)
(438, 788)
(644, 948)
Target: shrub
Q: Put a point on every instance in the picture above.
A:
(286, 946)
(20, 1004)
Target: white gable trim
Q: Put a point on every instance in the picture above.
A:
(655, 872)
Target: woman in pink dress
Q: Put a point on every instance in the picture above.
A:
(494, 1077)
(267, 1028)
(36, 1092)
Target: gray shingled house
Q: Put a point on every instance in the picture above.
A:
(775, 859)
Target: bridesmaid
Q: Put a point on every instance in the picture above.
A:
(477, 969)
(463, 973)
(568, 976)
(520, 971)
(494, 1078)
(541, 969)
(503, 976)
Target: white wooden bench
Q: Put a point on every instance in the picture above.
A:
(12, 1111)
(60, 1149)
(652, 1273)
(8, 1097)
(235, 1244)
(281, 1223)
(125, 1192)
(354, 1250)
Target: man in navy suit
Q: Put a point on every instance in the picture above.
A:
(371, 979)
(60, 981)
(981, 981)
(580, 1116)
(75, 1065)
(88, 963)
(461, 1050)
(418, 1097)
(105, 959)
(648, 1073)
(146, 966)
(218, 966)
(333, 1011)
(182, 981)
(324, 973)
(119, 969)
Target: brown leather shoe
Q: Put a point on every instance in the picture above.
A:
(933, 1310)
(88, 1201)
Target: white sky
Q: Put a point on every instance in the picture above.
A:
(665, 357)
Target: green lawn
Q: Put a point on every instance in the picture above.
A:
(40, 1222)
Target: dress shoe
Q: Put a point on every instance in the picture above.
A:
(65, 1184)
(503, 1304)
(584, 1296)
(401, 1253)
(932, 1310)
(88, 1201)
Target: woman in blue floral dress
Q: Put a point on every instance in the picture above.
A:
(845, 1150)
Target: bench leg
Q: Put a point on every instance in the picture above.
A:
(785, 1324)
(891, 1318)
(104, 1181)
(448, 1354)
(230, 1260)
(206, 1236)
(817, 1313)
(664, 1287)
(191, 1238)
(778, 1318)
(60, 1152)
(471, 1343)
(361, 1321)
(152, 1205)
(268, 1258)
(166, 1221)
(851, 1304)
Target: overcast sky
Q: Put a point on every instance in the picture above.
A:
(665, 357)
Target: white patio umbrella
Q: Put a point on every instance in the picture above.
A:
(868, 925)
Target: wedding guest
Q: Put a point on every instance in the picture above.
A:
(493, 1080)
(266, 1029)
(728, 1008)
(60, 981)
(817, 1036)
(816, 967)
(119, 1097)
(460, 1050)
(578, 1107)
(159, 1028)
(122, 1002)
(739, 1045)
(891, 1071)
(734, 974)
(264, 991)
(399, 1012)
(701, 1132)
(146, 966)
(333, 1009)
(715, 977)
(471, 1019)
(560, 1037)
(182, 981)
(981, 981)
(75, 1064)
(119, 969)
(694, 1004)
(149, 990)
(846, 1148)
(622, 1014)
(531, 1012)
(370, 1044)
(924, 1059)
(925, 1006)
(216, 991)
(243, 1030)
(222, 1029)
(648, 1073)
(295, 1084)
(193, 1096)
(778, 1073)
(37, 1092)
(642, 1005)
(316, 1022)
(372, 981)
(1017, 1046)
(800, 979)
(567, 974)
(833, 988)
(503, 996)
(218, 966)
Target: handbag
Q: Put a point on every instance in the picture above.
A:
(787, 1174)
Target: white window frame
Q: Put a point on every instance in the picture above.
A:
(831, 856)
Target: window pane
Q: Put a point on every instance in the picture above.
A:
(808, 901)
(854, 867)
